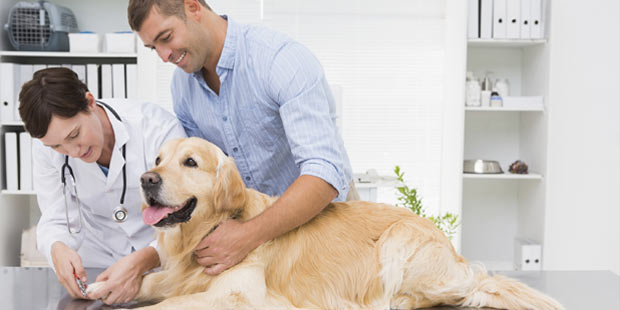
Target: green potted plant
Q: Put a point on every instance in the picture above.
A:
(408, 197)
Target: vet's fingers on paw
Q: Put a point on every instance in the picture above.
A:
(72, 287)
(96, 290)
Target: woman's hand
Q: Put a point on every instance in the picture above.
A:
(66, 261)
(122, 280)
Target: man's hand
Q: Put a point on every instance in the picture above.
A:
(123, 278)
(66, 261)
(225, 247)
(232, 240)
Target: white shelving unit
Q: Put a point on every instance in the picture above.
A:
(497, 208)
(67, 54)
(504, 109)
(504, 42)
(504, 176)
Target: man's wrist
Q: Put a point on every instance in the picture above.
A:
(255, 232)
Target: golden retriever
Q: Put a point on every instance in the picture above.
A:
(353, 255)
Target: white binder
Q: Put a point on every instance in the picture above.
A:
(25, 75)
(486, 19)
(10, 155)
(106, 81)
(525, 19)
(80, 70)
(132, 80)
(9, 80)
(513, 19)
(536, 30)
(25, 161)
(499, 19)
(118, 81)
(473, 19)
(92, 79)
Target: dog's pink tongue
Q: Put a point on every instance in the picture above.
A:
(153, 215)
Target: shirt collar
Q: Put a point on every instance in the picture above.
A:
(227, 58)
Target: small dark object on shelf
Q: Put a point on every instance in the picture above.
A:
(518, 167)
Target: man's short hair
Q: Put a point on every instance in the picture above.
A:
(138, 10)
(52, 91)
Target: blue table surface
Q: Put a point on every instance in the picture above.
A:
(38, 288)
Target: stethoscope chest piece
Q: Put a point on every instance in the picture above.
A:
(119, 214)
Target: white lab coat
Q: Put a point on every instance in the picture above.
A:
(102, 241)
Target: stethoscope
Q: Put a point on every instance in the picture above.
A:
(119, 214)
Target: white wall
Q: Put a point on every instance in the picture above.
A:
(583, 206)
(98, 16)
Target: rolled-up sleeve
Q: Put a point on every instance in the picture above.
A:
(307, 111)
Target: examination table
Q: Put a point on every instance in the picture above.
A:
(25, 288)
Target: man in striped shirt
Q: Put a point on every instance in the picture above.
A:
(264, 100)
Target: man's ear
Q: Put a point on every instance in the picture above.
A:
(193, 9)
(229, 190)
(92, 102)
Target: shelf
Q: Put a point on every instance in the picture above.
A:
(505, 109)
(67, 54)
(17, 192)
(12, 123)
(503, 176)
(505, 42)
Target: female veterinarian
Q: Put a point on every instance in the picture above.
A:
(88, 157)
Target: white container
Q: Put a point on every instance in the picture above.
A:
(528, 255)
(485, 98)
(503, 87)
(472, 87)
(84, 42)
(120, 42)
(496, 100)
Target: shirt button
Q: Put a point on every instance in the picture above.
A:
(247, 178)
(235, 149)
(225, 118)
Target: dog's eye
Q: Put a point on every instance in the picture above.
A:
(190, 162)
(157, 160)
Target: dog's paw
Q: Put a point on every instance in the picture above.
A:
(93, 287)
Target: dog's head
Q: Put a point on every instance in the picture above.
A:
(192, 179)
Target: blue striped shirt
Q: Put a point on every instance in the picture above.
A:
(275, 113)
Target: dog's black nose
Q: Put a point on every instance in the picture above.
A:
(150, 180)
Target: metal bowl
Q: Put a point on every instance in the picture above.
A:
(481, 166)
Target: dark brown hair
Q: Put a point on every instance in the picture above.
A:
(52, 91)
(138, 10)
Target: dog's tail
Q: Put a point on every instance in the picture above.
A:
(497, 291)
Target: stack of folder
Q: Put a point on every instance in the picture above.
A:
(18, 157)
(506, 19)
(103, 81)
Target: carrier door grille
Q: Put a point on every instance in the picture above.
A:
(30, 26)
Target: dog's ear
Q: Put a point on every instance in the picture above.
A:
(229, 191)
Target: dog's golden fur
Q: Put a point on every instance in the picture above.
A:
(353, 255)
